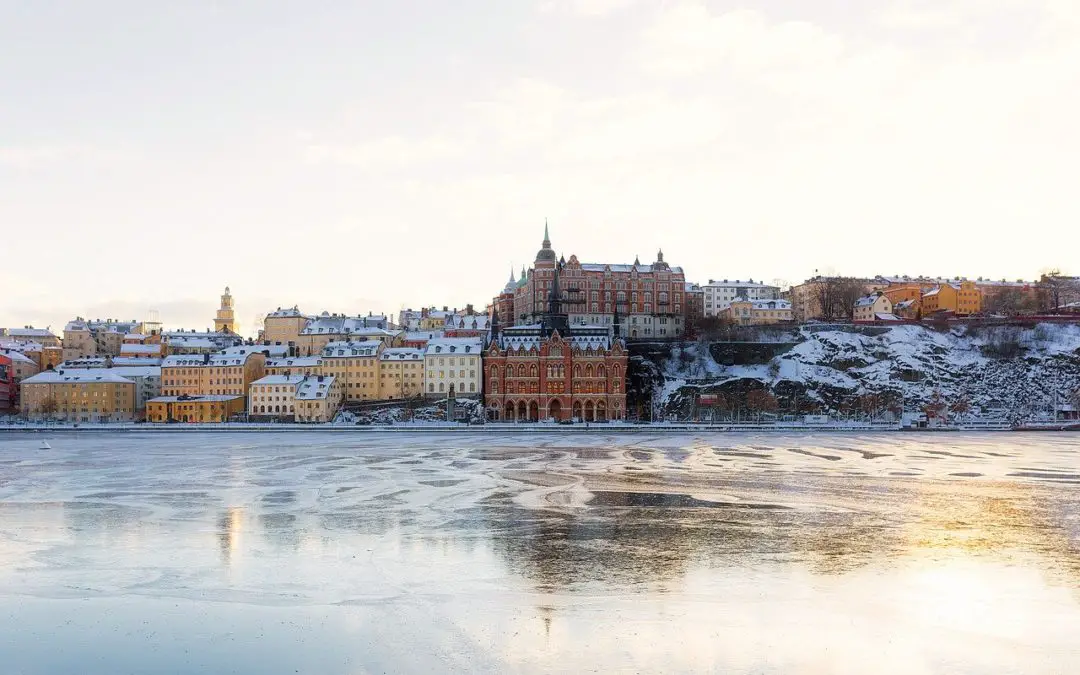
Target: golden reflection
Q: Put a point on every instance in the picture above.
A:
(230, 531)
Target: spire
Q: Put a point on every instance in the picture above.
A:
(660, 255)
(547, 239)
(637, 260)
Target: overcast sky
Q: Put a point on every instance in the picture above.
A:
(356, 156)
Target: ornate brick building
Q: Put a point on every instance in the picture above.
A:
(651, 298)
(554, 369)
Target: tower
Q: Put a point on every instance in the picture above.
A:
(225, 321)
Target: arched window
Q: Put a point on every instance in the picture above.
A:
(588, 370)
(600, 372)
(532, 370)
(494, 371)
(615, 371)
(441, 387)
(577, 370)
(494, 387)
(521, 370)
(472, 386)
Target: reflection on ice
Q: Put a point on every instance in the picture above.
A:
(320, 553)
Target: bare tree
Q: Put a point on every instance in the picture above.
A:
(1057, 290)
(960, 407)
(836, 296)
(48, 407)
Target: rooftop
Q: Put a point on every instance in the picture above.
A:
(96, 376)
(314, 388)
(217, 398)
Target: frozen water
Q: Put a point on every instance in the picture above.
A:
(319, 553)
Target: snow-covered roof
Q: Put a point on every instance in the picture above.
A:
(201, 360)
(904, 304)
(279, 379)
(314, 388)
(868, 300)
(16, 355)
(327, 324)
(727, 283)
(122, 371)
(642, 269)
(771, 304)
(274, 350)
(88, 376)
(29, 332)
(417, 335)
(140, 349)
(587, 342)
(402, 354)
(209, 398)
(21, 346)
(932, 292)
(135, 336)
(457, 346)
(350, 348)
(474, 322)
(886, 316)
(294, 362)
(288, 313)
(193, 343)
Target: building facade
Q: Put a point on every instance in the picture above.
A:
(533, 374)
(210, 409)
(318, 399)
(453, 363)
(356, 367)
(294, 365)
(328, 328)
(211, 374)
(285, 325)
(830, 298)
(869, 307)
(83, 338)
(84, 396)
(649, 297)
(756, 312)
(401, 373)
(719, 294)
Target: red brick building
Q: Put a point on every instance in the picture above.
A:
(651, 298)
(532, 374)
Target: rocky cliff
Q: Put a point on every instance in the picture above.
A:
(1010, 371)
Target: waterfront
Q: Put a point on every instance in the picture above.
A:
(810, 553)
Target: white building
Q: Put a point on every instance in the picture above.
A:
(453, 362)
(274, 396)
(318, 399)
(719, 294)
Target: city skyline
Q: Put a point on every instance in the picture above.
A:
(367, 158)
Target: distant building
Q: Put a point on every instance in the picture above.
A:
(15, 366)
(756, 312)
(401, 373)
(84, 338)
(42, 336)
(868, 307)
(294, 365)
(809, 299)
(211, 374)
(208, 409)
(453, 362)
(285, 325)
(327, 328)
(192, 342)
(225, 319)
(649, 297)
(960, 299)
(80, 396)
(356, 367)
(719, 294)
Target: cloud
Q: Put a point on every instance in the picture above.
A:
(688, 39)
(592, 8)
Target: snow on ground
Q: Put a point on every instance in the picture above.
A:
(1021, 371)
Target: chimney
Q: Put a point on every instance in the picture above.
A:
(206, 358)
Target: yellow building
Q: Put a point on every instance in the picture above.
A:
(961, 298)
(808, 298)
(756, 312)
(42, 336)
(225, 319)
(318, 399)
(299, 398)
(284, 325)
(295, 365)
(356, 367)
(401, 373)
(868, 307)
(80, 397)
(324, 330)
(212, 409)
(212, 374)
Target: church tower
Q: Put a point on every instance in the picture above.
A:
(225, 321)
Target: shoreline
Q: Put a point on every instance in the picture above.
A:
(514, 428)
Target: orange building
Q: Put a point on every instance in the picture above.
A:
(962, 299)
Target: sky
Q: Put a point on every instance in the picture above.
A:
(365, 156)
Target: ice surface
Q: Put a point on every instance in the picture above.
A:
(319, 553)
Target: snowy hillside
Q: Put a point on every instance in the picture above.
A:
(996, 370)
